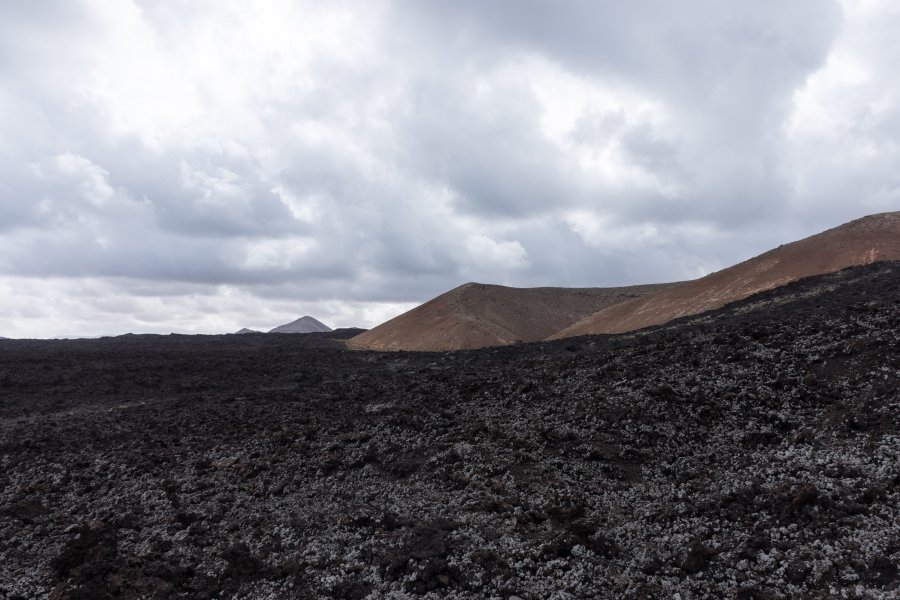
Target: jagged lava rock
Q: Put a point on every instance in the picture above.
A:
(750, 452)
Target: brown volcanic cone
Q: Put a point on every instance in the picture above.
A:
(863, 241)
(476, 315)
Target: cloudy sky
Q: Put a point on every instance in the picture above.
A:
(205, 165)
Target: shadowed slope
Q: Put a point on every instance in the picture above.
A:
(476, 315)
(859, 242)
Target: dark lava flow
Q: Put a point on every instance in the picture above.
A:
(752, 452)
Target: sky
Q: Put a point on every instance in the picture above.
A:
(199, 166)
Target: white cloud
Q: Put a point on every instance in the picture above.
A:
(600, 232)
(496, 256)
(90, 180)
(279, 255)
(843, 135)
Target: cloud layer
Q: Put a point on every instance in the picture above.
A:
(204, 166)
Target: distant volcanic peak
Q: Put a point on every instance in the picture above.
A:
(304, 324)
(245, 330)
(477, 315)
(862, 241)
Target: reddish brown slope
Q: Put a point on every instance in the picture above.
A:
(477, 315)
(863, 241)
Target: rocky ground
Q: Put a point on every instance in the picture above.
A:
(749, 453)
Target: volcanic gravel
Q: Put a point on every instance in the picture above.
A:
(752, 452)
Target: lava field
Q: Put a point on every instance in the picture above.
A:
(752, 452)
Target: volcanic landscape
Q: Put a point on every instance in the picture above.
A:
(749, 452)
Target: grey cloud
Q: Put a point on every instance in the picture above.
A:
(498, 165)
(727, 70)
(33, 31)
(390, 174)
(695, 50)
(652, 153)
